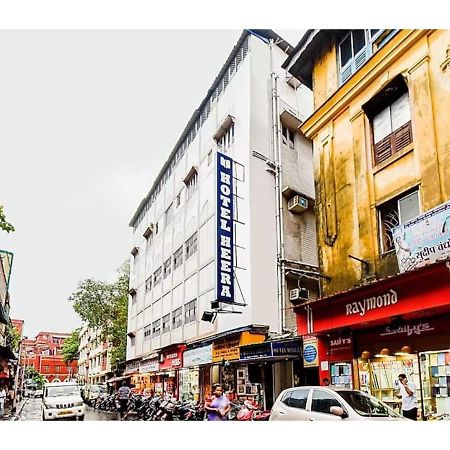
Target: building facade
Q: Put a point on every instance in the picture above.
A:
(239, 168)
(44, 355)
(94, 360)
(381, 151)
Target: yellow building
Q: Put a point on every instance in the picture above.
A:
(381, 138)
(381, 142)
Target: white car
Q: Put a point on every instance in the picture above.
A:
(328, 403)
(62, 400)
(38, 393)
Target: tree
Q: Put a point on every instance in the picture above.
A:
(4, 224)
(104, 307)
(32, 374)
(13, 337)
(70, 346)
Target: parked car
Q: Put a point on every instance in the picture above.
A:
(38, 393)
(92, 392)
(62, 400)
(329, 403)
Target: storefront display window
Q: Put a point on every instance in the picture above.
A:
(341, 374)
(189, 385)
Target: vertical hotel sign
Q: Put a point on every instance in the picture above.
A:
(225, 229)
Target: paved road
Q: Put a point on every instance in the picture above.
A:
(32, 410)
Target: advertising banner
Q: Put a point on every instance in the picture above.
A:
(198, 356)
(310, 352)
(423, 240)
(225, 230)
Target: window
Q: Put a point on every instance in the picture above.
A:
(178, 201)
(296, 398)
(157, 276)
(392, 129)
(322, 401)
(178, 258)
(191, 182)
(227, 138)
(209, 157)
(147, 333)
(166, 324)
(132, 340)
(177, 318)
(190, 311)
(156, 228)
(46, 368)
(133, 298)
(156, 328)
(287, 136)
(148, 284)
(191, 245)
(167, 268)
(169, 214)
(357, 47)
(395, 212)
(57, 368)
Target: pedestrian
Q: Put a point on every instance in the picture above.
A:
(326, 381)
(218, 406)
(407, 392)
(123, 395)
(2, 401)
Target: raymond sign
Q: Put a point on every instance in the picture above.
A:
(423, 240)
(225, 229)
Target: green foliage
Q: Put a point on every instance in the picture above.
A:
(104, 306)
(70, 347)
(32, 374)
(13, 337)
(4, 224)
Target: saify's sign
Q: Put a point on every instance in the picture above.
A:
(225, 229)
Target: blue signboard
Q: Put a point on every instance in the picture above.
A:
(310, 353)
(263, 350)
(285, 348)
(225, 229)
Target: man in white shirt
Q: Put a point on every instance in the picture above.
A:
(2, 401)
(408, 396)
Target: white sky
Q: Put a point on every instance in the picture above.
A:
(87, 119)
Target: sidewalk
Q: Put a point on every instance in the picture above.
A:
(8, 415)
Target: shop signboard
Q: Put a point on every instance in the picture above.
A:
(340, 345)
(224, 229)
(286, 348)
(255, 351)
(171, 359)
(226, 349)
(149, 365)
(424, 239)
(310, 352)
(198, 356)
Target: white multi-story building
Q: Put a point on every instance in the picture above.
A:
(250, 114)
(94, 360)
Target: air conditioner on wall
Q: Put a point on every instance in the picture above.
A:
(298, 295)
(298, 204)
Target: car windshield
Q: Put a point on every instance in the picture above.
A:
(62, 391)
(366, 405)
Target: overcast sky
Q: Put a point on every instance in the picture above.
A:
(87, 118)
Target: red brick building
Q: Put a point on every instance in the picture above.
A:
(44, 354)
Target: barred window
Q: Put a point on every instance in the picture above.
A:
(226, 141)
(191, 184)
(166, 324)
(167, 267)
(157, 276)
(156, 328)
(287, 136)
(177, 318)
(148, 284)
(190, 311)
(169, 214)
(178, 258)
(147, 333)
(191, 245)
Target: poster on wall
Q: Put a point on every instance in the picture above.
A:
(310, 352)
(224, 229)
(424, 239)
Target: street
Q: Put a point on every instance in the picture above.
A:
(32, 410)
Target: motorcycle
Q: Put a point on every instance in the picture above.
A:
(251, 410)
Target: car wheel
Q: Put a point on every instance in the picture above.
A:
(81, 418)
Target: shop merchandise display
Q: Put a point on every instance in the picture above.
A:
(341, 374)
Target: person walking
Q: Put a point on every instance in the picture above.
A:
(123, 394)
(218, 406)
(407, 392)
(2, 401)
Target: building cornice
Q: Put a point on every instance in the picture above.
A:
(340, 100)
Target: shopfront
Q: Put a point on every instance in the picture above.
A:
(148, 368)
(368, 336)
(195, 372)
(170, 362)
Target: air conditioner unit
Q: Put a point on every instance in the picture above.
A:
(298, 295)
(298, 204)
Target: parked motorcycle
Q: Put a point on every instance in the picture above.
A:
(251, 410)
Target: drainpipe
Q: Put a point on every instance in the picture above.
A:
(276, 131)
